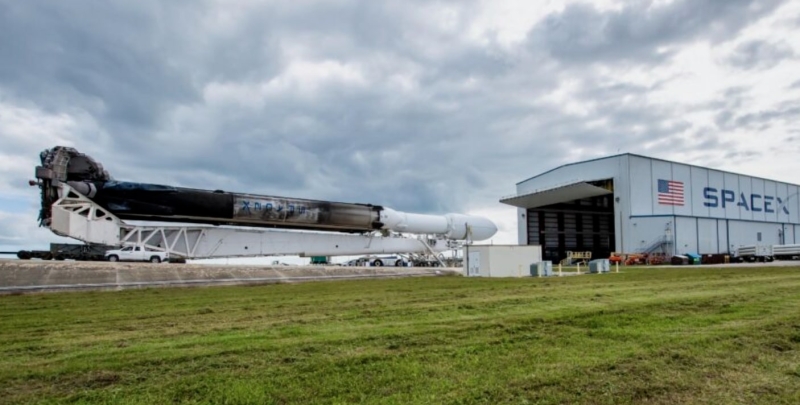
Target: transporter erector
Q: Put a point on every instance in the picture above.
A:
(80, 199)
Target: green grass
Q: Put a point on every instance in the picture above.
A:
(656, 336)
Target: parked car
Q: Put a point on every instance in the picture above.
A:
(375, 261)
(388, 261)
(136, 254)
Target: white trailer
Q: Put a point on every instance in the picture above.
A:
(786, 252)
(754, 253)
(767, 253)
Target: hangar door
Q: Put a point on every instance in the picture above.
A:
(579, 225)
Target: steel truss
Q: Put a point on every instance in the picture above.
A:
(76, 216)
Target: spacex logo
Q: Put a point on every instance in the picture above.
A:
(752, 202)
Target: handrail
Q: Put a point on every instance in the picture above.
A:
(655, 244)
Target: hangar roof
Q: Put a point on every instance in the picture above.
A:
(578, 163)
(653, 158)
(569, 192)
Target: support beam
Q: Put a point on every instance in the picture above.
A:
(78, 217)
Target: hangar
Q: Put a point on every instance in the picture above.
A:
(636, 204)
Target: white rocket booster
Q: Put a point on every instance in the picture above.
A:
(451, 226)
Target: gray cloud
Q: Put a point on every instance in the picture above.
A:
(742, 155)
(760, 54)
(731, 118)
(135, 81)
(731, 101)
(641, 32)
(106, 58)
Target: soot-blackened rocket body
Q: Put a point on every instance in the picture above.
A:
(141, 201)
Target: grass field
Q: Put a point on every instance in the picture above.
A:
(667, 336)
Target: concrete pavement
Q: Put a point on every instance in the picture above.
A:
(37, 275)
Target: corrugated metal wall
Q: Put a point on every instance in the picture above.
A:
(716, 212)
(711, 194)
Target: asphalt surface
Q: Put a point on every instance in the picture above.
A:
(19, 276)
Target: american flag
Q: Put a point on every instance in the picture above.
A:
(670, 192)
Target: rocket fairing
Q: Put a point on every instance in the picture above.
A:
(154, 202)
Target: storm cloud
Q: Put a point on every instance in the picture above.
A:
(422, 106)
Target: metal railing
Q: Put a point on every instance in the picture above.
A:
(657, 244)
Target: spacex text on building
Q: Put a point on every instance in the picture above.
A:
(752, 202)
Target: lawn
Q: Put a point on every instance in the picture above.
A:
(656, 336)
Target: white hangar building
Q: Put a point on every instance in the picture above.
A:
(635, 204)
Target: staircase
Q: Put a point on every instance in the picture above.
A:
(660, 243)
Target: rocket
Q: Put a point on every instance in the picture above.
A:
(155, 202)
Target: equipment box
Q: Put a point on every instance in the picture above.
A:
(542, 269)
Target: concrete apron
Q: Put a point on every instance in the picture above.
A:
(35, 275)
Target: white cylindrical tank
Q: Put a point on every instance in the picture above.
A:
(451, 226)
(413, 223)
(469, 227)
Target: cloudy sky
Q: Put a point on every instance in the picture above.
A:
(424, 106)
